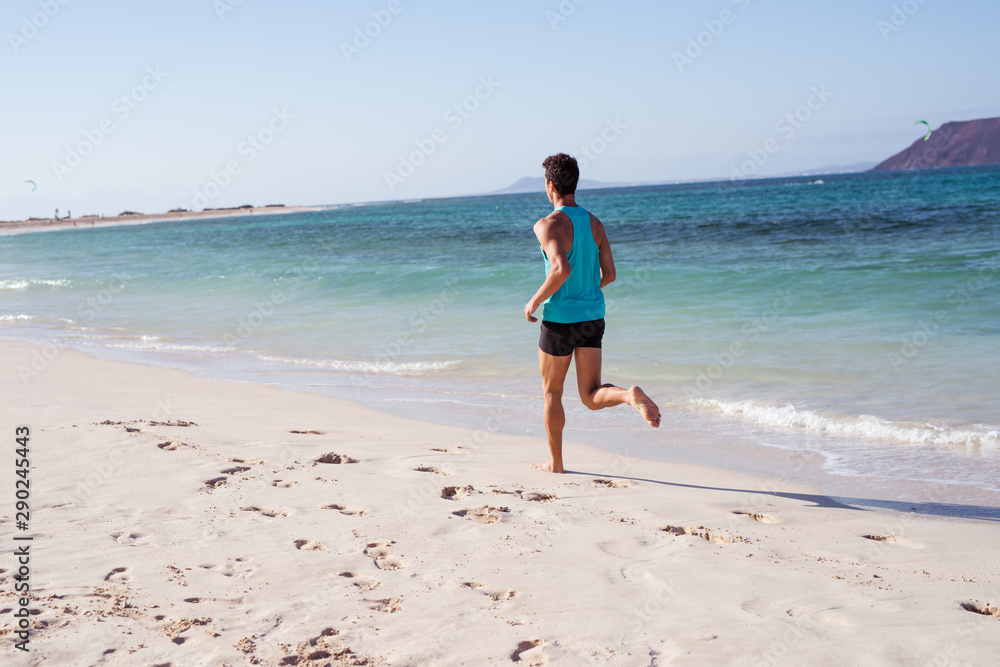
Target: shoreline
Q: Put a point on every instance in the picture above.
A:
(90, 222)
(690, 437)
(188, 519)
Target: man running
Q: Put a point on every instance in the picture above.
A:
(578, 265)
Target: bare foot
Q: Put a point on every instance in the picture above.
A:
(644, 404)
(548, 466)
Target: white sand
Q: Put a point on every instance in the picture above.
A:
(232, 546)
(89, 222)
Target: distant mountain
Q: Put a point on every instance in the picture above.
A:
(537, 183)
(957, 144)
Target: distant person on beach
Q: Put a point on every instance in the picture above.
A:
(578, 265)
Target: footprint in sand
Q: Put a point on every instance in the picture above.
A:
(378, 550)
(235, 470)
(389, 564)
(363, 583)
(235, 567)
(170, 446)
(119, 575)
(331, 457)
(538, 497)
(495, 594)
(759, 518)
(983, 608)
(530, 653)
(892, 539)
(265, 512)
(283, 484)
(216, 482)
(343, 509)
(179, 422)
(309, 545)
(388, 605)
(702, 532)
(456, 492)
(614, 483)
(130, 539)
(431, 469)
(245, 646)
(314, 651)
(240, 567)
(174, 628)
(483, 514)
(381, 554)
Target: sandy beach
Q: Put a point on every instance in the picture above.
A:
(186, 521)
(90, 221)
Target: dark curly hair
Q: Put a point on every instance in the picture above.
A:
(563, 172)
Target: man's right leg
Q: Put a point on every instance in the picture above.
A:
(597, 396)
(553, 377)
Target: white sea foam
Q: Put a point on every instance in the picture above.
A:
(11, 318)
(154, 343)
(369, 367)
(18, 284)
(866, 427)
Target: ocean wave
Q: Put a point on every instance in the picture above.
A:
(19, 284)
(368, 367)
(866, 427)
(153, 343)
(11, 318)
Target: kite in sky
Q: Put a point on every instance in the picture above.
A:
(928, 128)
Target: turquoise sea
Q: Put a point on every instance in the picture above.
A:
(852, 323)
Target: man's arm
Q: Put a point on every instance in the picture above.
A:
(559, 269)
(603, 251)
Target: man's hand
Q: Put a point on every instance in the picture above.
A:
(529, 311)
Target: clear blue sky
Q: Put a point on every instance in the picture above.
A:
(558, 89)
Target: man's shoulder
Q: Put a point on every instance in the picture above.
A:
(597, 228)
(556, 215)
(555, 219)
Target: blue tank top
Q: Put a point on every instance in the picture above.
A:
(580, 298)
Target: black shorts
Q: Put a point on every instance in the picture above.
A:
(559, 339)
